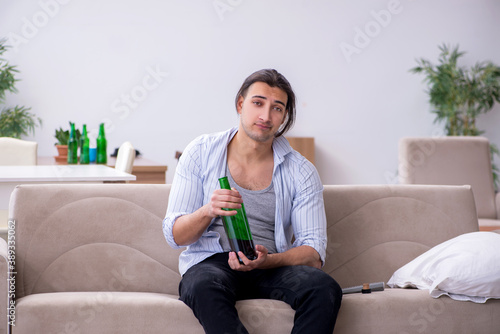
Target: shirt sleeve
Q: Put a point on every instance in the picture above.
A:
(308, 212)
(186, 193)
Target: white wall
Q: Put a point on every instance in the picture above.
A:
(162, 72)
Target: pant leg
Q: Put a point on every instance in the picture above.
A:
(210, 289)
(314, 295)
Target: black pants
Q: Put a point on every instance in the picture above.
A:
(211, 289)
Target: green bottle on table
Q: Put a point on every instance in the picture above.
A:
(84, 147)
(237, 228)
(72, 146)
(102, 156)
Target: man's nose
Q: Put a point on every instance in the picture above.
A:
(266, 114)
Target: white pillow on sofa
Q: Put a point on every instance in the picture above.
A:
(465, 268)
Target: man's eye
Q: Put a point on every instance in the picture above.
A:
(257, 103)
(278, 109)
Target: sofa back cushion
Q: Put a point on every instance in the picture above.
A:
(108, 237)
(99, 237)
(375, 229)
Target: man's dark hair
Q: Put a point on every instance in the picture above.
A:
(274, 79)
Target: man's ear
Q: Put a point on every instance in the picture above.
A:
(239, 105)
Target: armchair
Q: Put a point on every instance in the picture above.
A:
(453, 161)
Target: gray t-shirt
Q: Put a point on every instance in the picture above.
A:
(260, 207)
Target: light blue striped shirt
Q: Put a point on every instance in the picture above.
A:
(300, 210)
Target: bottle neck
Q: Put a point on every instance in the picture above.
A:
(101, 131)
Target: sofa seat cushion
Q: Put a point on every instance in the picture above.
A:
(390, 311)
(134, 312)
(414, 311)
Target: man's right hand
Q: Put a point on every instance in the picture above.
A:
(189, 228)
(223, 199)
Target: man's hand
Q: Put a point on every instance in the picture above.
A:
(223, 199)
(301, 255)
(189, 228)
(248, 265)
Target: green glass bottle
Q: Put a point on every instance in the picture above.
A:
(72, 146)
(84, 147)
(102, 156)
(237, 228)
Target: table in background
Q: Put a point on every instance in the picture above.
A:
(145, 170)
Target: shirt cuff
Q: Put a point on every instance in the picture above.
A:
(168, 224)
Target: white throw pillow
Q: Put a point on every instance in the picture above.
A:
(465, 268)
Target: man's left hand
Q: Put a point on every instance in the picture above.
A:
(248, 265)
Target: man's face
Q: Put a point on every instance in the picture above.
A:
(262, 111)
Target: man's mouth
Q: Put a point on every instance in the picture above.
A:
(263, 126)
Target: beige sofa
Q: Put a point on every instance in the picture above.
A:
(93, 259)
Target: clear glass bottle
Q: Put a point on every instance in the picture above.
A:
(102, 155)
(72, 146)
(237, 228)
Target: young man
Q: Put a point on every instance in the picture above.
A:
(283, 198)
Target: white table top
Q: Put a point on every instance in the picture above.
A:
(62, 173)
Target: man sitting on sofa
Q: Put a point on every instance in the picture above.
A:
(283, 197)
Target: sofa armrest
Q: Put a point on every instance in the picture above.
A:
(4, 286)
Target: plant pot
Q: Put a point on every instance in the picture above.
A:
(62, 150)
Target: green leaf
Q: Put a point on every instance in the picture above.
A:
(17, 122)
(14, 121)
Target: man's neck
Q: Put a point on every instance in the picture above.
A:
(250, 162)
(246, 150)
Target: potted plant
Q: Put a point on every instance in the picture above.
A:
(62, 137)
(17, 122)
(459, 94)
(14, 121)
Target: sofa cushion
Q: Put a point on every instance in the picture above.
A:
(406, 311)
(375, 229)
(466, 268)
(134, 312)
(85, 237)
